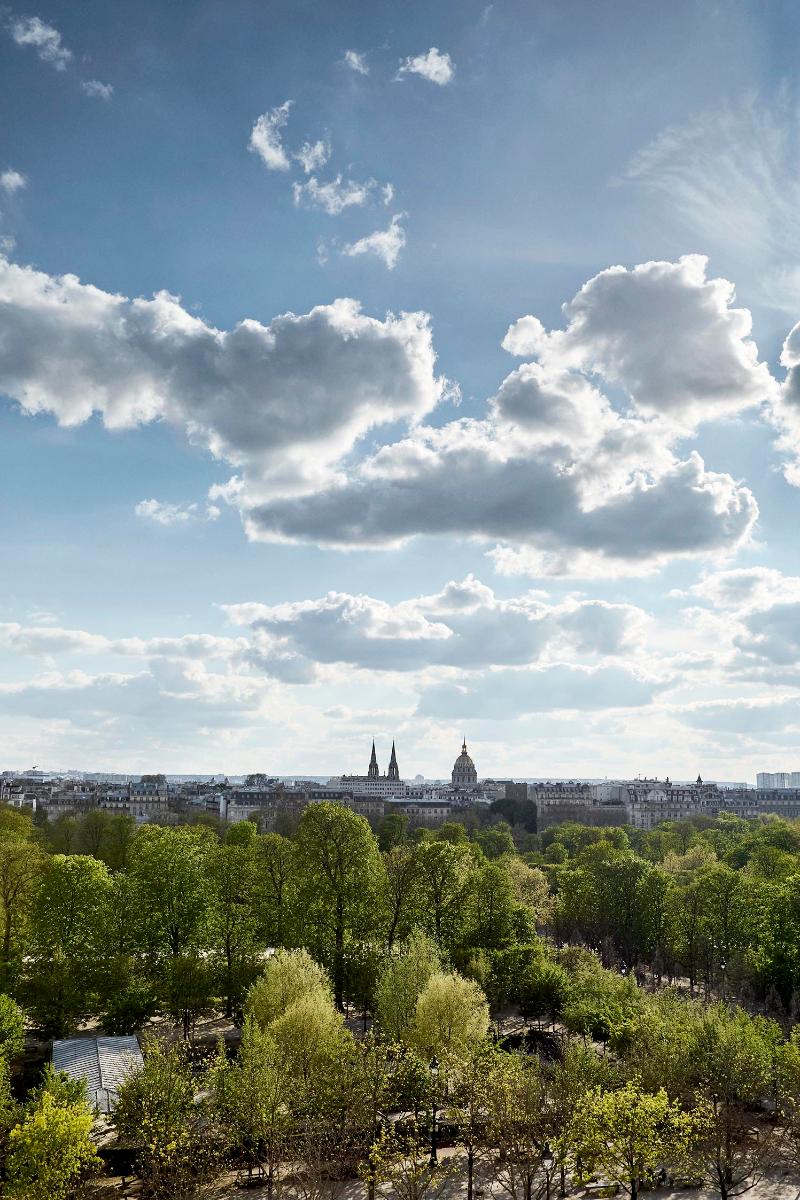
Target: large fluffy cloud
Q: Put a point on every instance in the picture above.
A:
(557, 467)
(464, 626)
(664, 333)
(279, 401)
(574, 459)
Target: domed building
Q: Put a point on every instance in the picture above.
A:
(464, 774)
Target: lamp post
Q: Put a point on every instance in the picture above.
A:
(548, 1162)
(723, 966)
(434, 1070)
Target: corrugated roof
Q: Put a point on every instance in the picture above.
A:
(101, 1062)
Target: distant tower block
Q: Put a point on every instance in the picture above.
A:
(464, 773)
(394, 771)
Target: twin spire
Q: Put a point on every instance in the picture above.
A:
(394, 771)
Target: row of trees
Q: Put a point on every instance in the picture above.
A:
(683, 1089)
(187, 919)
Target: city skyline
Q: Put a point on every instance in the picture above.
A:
(435, 377)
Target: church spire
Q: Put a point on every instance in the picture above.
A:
(372, 773)
(394, 770)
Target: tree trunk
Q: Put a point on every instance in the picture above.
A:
(470, 1170)
(338, 972)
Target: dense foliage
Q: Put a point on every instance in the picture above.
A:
(668, 961)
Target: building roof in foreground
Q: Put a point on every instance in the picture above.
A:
(102, 1062)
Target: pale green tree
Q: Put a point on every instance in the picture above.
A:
(451, 1015)
(289, 976)
(251, 1098)
(515, 1130)
(308, 1036)
(628, 1133)
(51, 1152)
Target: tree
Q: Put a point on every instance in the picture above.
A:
(403, 978)
(67, 939)
(156, 1112)
(340, 868)
(289, 976)
(530, 888)
(734, 1058)
(20, 867)
(451, 1015)
(627, 1134)
(491, 907)
(50, 1153)
(231, 875)
(496, 840)
(392, 831)
(444, 871)
(307, 1036)
(400, 886)
(469, 1075)
(12, 1029)
(189, 983)
(516, 1127)
(168, 869)
(251, 1099)
(275, 884)
(566, 1082)
(401, 1157)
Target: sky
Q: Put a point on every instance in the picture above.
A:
(412, 372)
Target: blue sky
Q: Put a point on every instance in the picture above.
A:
(578, 550)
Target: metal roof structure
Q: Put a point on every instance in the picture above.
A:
(102, 1063)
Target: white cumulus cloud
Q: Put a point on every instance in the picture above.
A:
(334, 196)
(385, 244)
(12, 181)
(433, 65)
(174, 514)
(32, 31)
(312, 155)
(265, 137)
(280, 402)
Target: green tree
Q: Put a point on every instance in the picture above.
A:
(444, 871)
(21, 863)
(496, 840)
(67, 940)
(400, 885)
(12, 1029)
(169, 871)
(340, 870)
(275, 888)
(402, 980)
(232, 917)
(491, 907)
(157, 1113)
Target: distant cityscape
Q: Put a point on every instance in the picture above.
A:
(272, 801)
